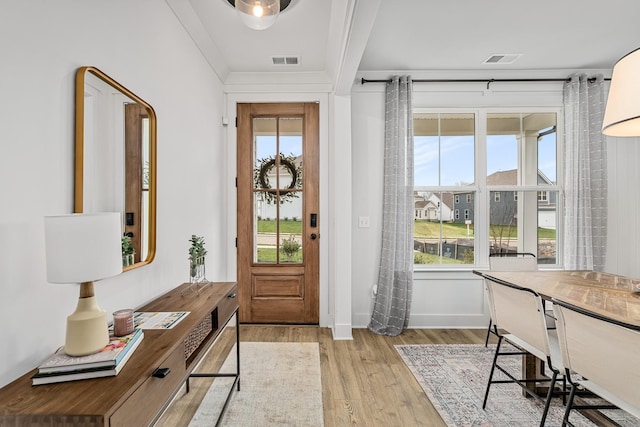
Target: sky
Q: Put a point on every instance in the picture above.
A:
(266, 146)
(457, 158)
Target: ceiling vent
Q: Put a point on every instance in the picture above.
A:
(502, 58)
(285, 60)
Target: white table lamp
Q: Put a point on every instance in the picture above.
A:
(83, 248)
(622, 114)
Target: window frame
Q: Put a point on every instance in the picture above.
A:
(481, 190)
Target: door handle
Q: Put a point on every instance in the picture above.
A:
(313, 236)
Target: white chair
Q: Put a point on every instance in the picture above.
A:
(520, 312)
(509, 262)
(600, 355)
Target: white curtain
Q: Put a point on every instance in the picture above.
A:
(395, 280)
(585, 174)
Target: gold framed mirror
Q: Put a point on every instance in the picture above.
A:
(115, 159)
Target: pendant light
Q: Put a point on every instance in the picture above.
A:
(622, 115)
(259, 14)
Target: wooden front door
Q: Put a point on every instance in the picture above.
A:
(278, 218)
(136, 185)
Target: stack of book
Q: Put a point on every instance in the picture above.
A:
(60, 367)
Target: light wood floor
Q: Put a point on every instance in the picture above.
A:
(364, 381)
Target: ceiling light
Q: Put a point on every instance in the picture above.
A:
(259, 14)
(622, 114)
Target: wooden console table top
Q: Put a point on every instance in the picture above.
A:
(93, 402)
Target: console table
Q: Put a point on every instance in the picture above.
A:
(144, 388)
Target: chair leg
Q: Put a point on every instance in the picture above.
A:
(486, 340)
(493, 368)
(549, 395)
(565, 420)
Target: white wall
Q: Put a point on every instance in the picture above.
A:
(141, 45)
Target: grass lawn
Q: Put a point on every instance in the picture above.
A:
(286, 227)
(421, 258)
(452, 230)
(420, 229)
(269, 255)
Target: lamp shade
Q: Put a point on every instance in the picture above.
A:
(622, 114)
(83, 247)
(258, 14)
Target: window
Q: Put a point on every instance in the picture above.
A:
(521, 155)
(498, 209)
(444, 155)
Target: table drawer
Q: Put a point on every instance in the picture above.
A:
(141, 408)
(227, 306)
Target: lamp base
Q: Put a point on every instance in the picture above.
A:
(87, 328)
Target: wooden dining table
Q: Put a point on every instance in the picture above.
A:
(609, 295)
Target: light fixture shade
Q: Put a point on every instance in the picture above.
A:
(258, 14)
(83, 247)
(622, 114)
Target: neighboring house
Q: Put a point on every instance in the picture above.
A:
(463, 207)
(430, 207)
(504, 204)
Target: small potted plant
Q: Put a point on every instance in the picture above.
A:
(128, 251)
(197, 252)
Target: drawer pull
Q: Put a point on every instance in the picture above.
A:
(161, 372)
(232, 296)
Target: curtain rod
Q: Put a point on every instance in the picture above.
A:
(487, 81)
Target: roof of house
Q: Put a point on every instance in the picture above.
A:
(503, 178)
(510, 177)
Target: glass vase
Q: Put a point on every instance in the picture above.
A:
(196, 270)
(127, 260)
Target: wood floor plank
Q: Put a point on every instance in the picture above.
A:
(364, 381)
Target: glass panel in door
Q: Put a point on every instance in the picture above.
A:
(278, 196)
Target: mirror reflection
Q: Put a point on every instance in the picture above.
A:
(115, 159)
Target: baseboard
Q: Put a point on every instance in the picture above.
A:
(434, 321)
(342, 332)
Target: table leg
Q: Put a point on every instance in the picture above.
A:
(533, 368)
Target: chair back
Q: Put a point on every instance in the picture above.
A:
(513, 263)
(508, 263)
(520, 312)
(600, 349)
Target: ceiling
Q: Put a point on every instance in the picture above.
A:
(338, 40)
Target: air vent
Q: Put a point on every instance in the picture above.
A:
(285, 60)
(502, 58)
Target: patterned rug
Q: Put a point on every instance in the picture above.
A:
(454, 377)
(279, 386)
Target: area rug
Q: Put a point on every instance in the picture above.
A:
(454, 377)
(279, 386)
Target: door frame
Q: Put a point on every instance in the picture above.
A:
(231, 155)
